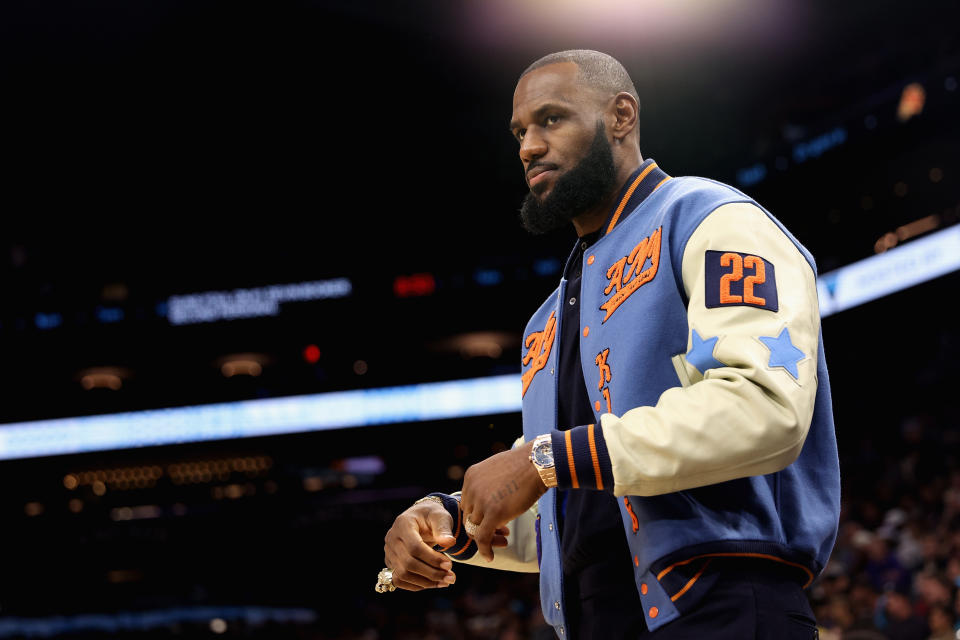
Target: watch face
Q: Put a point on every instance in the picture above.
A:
(543, 455)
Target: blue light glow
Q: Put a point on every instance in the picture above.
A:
(268, 417)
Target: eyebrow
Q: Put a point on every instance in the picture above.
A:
(539, 112)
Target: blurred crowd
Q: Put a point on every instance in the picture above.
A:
(895, 570)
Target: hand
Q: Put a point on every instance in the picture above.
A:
(408, 547)
(498, 490)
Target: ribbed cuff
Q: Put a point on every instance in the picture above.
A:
(581, 458)
(464, 548)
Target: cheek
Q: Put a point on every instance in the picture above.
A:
(572, 145)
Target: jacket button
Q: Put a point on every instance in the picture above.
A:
(550, 526)
(654, 612)
(561, 630)
(643, 589)
(556, 605)
(551, 370)
(591, 259)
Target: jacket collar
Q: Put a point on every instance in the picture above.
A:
(641, 183)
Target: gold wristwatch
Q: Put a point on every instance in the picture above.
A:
(542, 458)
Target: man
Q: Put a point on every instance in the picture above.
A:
(678, 473)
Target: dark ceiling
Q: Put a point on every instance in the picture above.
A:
(159, 141)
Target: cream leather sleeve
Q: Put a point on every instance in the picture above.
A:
(748, 415)
(520, 554)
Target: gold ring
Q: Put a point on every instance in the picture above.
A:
(470, 527)
(385, 581)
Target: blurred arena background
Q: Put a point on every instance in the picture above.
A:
(264, 284)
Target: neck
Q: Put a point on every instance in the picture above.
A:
(593, 219)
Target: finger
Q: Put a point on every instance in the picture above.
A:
(417, 548)
(502, 531)
(484, 538)
(407, 575)
(435, 573)
(441, 524)
(466, 502)
(400, 564)
(407, 586)
(413, 565)
(499, 541)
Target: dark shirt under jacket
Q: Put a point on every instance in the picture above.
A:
(600, 590)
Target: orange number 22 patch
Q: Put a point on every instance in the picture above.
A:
(727, 286)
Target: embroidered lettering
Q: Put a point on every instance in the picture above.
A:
(601, 361)
(606, 375)
(633, 517)
(725, 283)
(626, 284)
(538, 344)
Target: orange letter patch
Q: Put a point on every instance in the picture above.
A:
(627, 275)
(605, 376)
(539, 344)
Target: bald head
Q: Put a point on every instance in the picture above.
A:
(597, 70)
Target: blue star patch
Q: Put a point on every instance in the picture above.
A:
(783, 353)
(701, 353)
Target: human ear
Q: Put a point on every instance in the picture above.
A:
(625, 111)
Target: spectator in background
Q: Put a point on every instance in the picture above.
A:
(941, 622)
(883, 567)
(901, 621)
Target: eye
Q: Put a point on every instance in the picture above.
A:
(551, 120)
(519, 134)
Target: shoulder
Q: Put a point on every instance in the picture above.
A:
(694, 189)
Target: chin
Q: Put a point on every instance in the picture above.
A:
(540, 192)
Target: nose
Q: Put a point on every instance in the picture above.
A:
(532, 146)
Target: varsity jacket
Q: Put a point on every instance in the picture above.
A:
(701, 347)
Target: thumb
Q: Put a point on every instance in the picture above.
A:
(441, 524)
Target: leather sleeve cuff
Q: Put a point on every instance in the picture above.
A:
(581, 458)
(464, 548)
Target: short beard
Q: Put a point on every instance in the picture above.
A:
(577, 191)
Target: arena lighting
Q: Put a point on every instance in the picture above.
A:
(159, 619)
(911, 101)
(242, 364)
(311, 353)
(417, 284)
(478, 344)
(640, 25)
(103, 378)
(917, 261)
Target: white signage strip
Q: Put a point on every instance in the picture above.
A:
(267, 417)
(899, 268)
(250, 303)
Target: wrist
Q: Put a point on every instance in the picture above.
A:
(540, 454)
(464, 547)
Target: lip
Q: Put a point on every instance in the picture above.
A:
(538, 174)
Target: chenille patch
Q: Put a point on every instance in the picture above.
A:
(740, 279)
